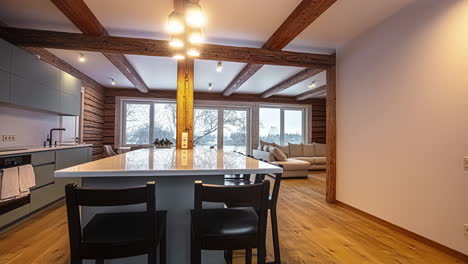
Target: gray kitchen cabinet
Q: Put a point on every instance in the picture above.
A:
(65, 158)
(69, 104)
(43, 157)
(42, 197)
(15, 214)
(44, 174)
(5, 55)
(69, 84)
(31, 68)
(4, 86)
(33, 94)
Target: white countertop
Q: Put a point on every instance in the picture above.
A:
(170, 162)
(29, 149)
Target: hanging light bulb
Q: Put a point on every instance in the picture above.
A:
(176, 42)
(219, 67)
(175, 24)
(194, 16)
(194, 52)
(195, 36)
(81, 58)
(210, 86)
(178, 57)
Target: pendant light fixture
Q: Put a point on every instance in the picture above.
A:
(185, 31)
(219, 66)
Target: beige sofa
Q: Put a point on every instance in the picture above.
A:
(300, 157)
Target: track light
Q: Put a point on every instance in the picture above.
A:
(219, 67)
(195, 36)
(176, 42)
(81, 58)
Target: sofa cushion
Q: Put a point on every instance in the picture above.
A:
(278, 154)
(308, 150)
(283, 148)
(293, 164)
(313, 160)
(264, 155)
(320, 150)
(295, 150)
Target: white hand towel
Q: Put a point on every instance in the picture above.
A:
(27, 179)
(10, 183)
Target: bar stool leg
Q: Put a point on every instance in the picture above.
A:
(248, 256)
(228, 256)
(99, 261)
(275, 233)
(152, 255)
(162, 249)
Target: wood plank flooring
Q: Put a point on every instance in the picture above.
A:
(311, 231)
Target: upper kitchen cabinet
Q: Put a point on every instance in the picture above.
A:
(70, 94)
(29, 67)
(5, 56)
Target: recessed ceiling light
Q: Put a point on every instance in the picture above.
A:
(81, 58)
(312, 84)
(219, 67)
(176, 42)
(195, 36)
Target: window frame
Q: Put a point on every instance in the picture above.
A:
(282, 109)
(123, 120)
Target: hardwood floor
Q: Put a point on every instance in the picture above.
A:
(311, 231)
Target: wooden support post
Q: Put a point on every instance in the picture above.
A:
(185, 72)
(331, 135)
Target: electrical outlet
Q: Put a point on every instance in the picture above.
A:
(8, 138)
(466, 229)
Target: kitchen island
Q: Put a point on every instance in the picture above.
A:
(175, 172)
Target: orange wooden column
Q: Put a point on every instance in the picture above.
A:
(185, 73)
(331, 135)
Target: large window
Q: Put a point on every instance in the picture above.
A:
(281, 125)
(235, 130)
(205, 126)
(143, 122)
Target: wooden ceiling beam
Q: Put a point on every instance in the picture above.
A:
(295, 79)
(151, 47)
(302, 16)
(313, 93)
(83, 18)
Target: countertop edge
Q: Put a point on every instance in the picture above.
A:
(41, 149)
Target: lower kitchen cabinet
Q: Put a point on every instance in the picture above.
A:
(15, 214)
(4, 87)
(42, 196)
(44, 174)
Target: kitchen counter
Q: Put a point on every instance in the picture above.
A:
(30, 149)
(175, 172)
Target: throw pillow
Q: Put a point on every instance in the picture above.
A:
(320, 150)
(295, 150)
(284, 149)
(278, 154)
(309, 150)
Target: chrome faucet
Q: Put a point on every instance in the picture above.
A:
(49, 137)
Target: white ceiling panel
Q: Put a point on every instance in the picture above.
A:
(159, 73)
(96, 66)
(344, 21)
(205, 73)
(37, 14)
(302, 87)
(267, 77)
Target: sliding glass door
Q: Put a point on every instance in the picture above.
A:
(235, 130)
(223, 128)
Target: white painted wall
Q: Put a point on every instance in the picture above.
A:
(402, 111)
(30, 127)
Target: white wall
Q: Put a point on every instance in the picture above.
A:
(402, 112)
(30, 127)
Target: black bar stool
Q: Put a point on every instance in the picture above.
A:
(115, 235)
(230, 228)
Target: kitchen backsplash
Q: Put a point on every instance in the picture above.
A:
(31, 127)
